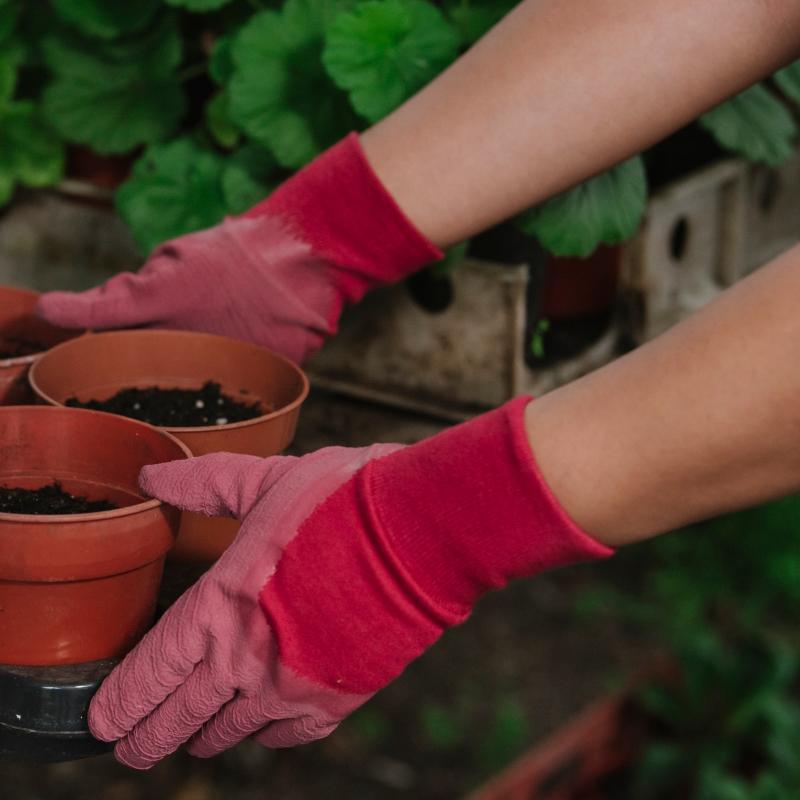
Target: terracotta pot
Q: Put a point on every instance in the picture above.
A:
(577, 287)
(17, 321)
(80, 587)
(99, 365)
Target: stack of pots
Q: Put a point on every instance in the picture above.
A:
(80, 588)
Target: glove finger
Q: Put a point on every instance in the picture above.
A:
(161, 662)
(291, 732)
(218, 484)
(124, 301)
(235, 722)
(175, 720)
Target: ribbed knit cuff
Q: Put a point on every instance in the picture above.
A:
(468, 510)
(338, 205)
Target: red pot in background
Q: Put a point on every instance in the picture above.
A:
(18, 322)
(578, 287)
(99, 365)
(572, 762)
(93, 178)
(80, 587)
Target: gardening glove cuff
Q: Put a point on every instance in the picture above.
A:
(338, 205)
(414, 538)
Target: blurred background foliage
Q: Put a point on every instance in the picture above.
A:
(217, 101)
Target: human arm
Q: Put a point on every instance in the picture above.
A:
(702, 420)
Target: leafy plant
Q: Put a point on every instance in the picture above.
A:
(606, 209)
(730, 715)
(729, 727)
(383, 51)
(280, 93)
(118, 95)
(285, 78)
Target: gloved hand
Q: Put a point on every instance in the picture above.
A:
(278, 276)
(348, 565)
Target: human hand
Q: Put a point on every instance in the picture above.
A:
(279, 276)
(348, 565)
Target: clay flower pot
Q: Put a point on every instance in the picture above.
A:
(18, 324)
(80, 587)
(99, 365)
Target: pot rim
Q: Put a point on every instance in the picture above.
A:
(30, 358)
(91, 516)
(283, 410)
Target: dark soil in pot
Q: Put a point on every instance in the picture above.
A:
(17, 347)
(176, 408)
(49, 499)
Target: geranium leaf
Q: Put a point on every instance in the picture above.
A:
(118, 96)
(754, 124)
(9, 13)
(280, 93)
(220, 64)
(606, 209)
(106, 19)
(8, 78)
(383, 51)
(30, 153)
(35, 152)
(219, 122)
(245, 178)
(174, 189)
(789, 81)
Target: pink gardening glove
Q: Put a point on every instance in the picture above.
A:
(278, 276)
(348, 565)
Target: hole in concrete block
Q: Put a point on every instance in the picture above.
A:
(679, 239)
(768, 190)
(431, 292)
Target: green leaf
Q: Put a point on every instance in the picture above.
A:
(385, 50)
(473, 21)
(219, 122)
(9, 14)
(118, 96)
(174, 189)
(6, 186)
(440, 726)
(789, 81)
(220, 64)
(280, 93)
(245, 178)
(199, 5)
(606, 209)
(30, 153)
(34, 152)
(106, 19)
(8, 78)
(753, 124)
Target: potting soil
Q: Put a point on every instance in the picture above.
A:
(50, 499)
(176, 408)
(16, 347)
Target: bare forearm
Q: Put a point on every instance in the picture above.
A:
(562, 89)
(705, 419)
